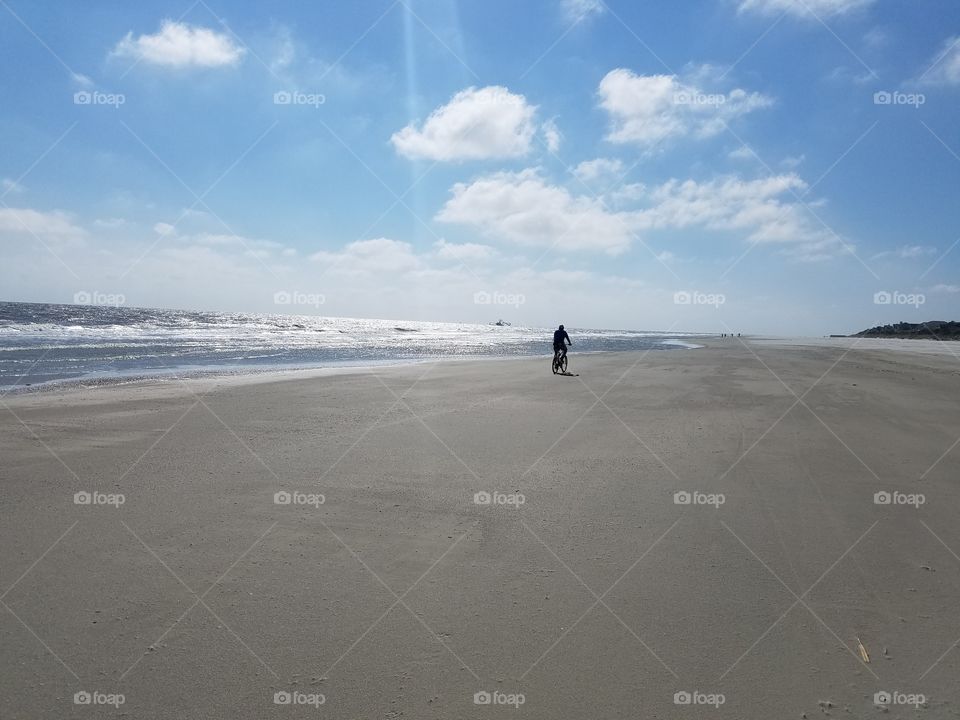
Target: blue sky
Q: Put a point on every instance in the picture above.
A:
(708, 165)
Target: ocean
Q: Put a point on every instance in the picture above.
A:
(42, 344)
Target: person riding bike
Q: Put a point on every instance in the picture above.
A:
(560, 340)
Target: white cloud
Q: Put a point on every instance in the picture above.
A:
(908, 252)
(604, 169)
(744, 152)
(522, 208)
(575, 11)
(359, 280)
(226, 242)
(648, 109)
(489, 122)
(285, 52)
(945, 65)
(856, 76)
(947, 289)
(552, 135)
(380, 256)
(381, 277)
(109, 223)
(463, 252)
(876, 38)
(36, 222)
(915, 251)
(235, 241)
(791, 162)
(630, 193)
(751, 207)
(804, 8)
(181, 45)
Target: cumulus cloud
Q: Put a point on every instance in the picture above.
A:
(755, 208)
(235, 241)
(721, 204)
(197, 239)
(804, 8)
(523, 208)
(382, 256)
(44, 224)
(180, 45)
(552, 135)
(744, 152)
(945, 65)
(477, 123)
(463, 252)
(648, 109)
(600, 169)
(627, 194)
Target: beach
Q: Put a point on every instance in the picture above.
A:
(745, 530)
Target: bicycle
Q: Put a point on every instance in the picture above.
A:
(559, 364)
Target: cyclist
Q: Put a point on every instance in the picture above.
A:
(560, 340)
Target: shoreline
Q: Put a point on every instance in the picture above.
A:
(268, 373)
(250, 374)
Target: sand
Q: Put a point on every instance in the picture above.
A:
(582, 590)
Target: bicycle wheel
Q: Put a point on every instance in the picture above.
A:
(555, 364)
(563, 364)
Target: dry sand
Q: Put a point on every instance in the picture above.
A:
(399, 596)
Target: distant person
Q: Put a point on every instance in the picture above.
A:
(560, 341)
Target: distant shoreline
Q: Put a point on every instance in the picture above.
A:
(930, 330)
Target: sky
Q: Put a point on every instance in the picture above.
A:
(783, 167)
